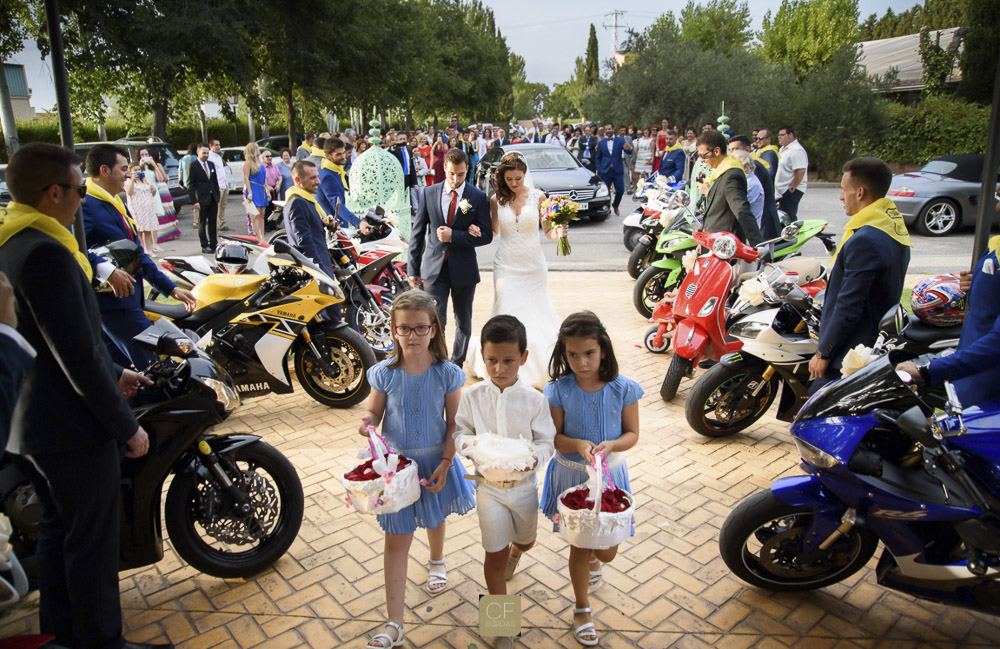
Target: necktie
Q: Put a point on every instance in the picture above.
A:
(204, 166)
(451, 207)
(406, 163)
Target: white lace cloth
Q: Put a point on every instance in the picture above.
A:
(520, 286)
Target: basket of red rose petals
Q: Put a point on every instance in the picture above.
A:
(596, 524)
(384, 484)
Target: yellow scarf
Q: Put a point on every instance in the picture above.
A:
(315, 150)
(329, 166)
(882, 215)
(770, 147)
(20, 216)
(729, 162)
(99, 193)
(761, 161)
(301, 193)
(994, 244)
(673, 148)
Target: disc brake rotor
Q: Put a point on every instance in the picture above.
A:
(341, 360)
(221, 522)
(782, 553)
(736, 404)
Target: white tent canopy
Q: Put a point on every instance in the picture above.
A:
(903, 54)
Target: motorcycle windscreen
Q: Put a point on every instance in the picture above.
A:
(873, 386)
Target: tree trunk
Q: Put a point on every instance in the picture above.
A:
(290, 113)
(160, 120)
(409, 115)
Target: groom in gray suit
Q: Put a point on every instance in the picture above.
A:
(442, 255)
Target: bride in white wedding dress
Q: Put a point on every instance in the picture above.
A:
(520, 274)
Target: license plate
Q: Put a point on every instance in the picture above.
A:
(583, 206)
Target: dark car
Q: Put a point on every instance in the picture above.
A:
(942, 195)
(555, 171)
(279, 142)
(162, 152)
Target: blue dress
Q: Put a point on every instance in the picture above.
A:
(593, 416)
(414, 425)
(258, 193)
(286, 179)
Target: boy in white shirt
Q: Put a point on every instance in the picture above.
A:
(505, 405)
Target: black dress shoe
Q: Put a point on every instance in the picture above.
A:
(207, 251)
(143, 645)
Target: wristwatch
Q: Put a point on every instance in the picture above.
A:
(925, 373)
(822, 356)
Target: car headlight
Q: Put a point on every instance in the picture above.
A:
(225, 394)
(748, 329)
(602, 190)
(815, 456)
(724, 247)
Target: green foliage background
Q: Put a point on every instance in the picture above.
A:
(939, 125)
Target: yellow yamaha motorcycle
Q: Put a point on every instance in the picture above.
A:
(249, 323)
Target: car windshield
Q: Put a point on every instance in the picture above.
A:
(232, 156)
(941, 167)
(549, 158)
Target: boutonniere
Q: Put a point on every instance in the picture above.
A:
(464, 205)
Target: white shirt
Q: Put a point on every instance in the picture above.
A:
(519, 410)
(220, 169)
(611, 144)
(446, 199)
(792, 157)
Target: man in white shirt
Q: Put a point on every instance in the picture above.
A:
(215, 159)
(790, 180)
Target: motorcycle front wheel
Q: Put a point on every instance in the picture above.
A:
(677, 370)
(207, 532)
(374, 328)
(350, 357)
(720, 402)
(642, 256)
(761, 542)
(277, 235)
(650, 288)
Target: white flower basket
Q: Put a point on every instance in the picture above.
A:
(375, 497)
(594, 530)
(497, 458)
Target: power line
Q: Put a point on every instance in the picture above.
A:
(614, 27)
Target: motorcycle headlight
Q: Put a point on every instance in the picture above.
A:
(815, 456)
(327, 287)
(225, 394)
(602, 190)
(724, 247)
(748, 329)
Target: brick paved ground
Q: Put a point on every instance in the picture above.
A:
(667, 588)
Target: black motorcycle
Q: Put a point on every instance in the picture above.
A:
(234, 504)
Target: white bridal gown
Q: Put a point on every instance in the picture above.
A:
(520, 287)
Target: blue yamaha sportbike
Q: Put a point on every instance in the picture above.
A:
(881, 466)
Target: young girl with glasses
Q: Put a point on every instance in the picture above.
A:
(410, 391)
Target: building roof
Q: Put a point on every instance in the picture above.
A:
(903, 54)
(17, 82)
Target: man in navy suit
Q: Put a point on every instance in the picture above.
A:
(18, 356)
(105, 218)
(451, 222)
(868, 269)
(331, 185)
(608, 157)
(672, 162)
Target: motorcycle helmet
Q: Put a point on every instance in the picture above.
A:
(123, 254)
(938, 300)
(232, 258)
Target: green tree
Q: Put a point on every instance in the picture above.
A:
(979, 58)
(566, 99)
(593, 66)
(520, 89)
(722, 25)
(538, 97)
(937, 61)
(806, 34)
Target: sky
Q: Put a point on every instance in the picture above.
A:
(549, 35)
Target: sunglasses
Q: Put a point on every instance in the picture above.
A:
(706, 155)
(758, 138)
(421, 330)
(80, 189)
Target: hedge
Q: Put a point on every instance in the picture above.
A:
(938, 126)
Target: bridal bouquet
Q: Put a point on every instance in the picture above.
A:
(560, 210)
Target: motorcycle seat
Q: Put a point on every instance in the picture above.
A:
(175, 312)
(920, 332)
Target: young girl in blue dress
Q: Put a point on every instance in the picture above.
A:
(595, 409)
(415, 395)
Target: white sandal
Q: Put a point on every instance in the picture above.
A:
(596, 577)
(437, 580)
(385, 640)
(585, 629)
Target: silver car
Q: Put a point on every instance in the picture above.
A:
(942, 195)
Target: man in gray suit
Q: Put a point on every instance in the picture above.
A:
(451, 222)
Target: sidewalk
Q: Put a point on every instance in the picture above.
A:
(667, 588)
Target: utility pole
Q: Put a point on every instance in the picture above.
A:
(614, 31)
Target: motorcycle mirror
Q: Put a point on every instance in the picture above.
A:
(791, 232)
(175, 344)
(123, 254)
(281, 247)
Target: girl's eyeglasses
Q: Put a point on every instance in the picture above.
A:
(420, 330)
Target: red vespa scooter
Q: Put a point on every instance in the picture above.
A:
(699, 309)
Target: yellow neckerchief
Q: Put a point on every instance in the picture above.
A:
(729, 162)
(315, 150)
(994, 244)
(673, 148)
(99, 193)
(330, 166)
(882, 215)
(20, 216)
(770, 147)
(764, 163)
(301, 193)
(304, 146)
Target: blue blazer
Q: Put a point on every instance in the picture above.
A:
(103, 223)
(331, 187)
(866, 281)
(772, 159)
(974, 367)
(610, 163)
(307, 232)
(672, 164)
(13, 370)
